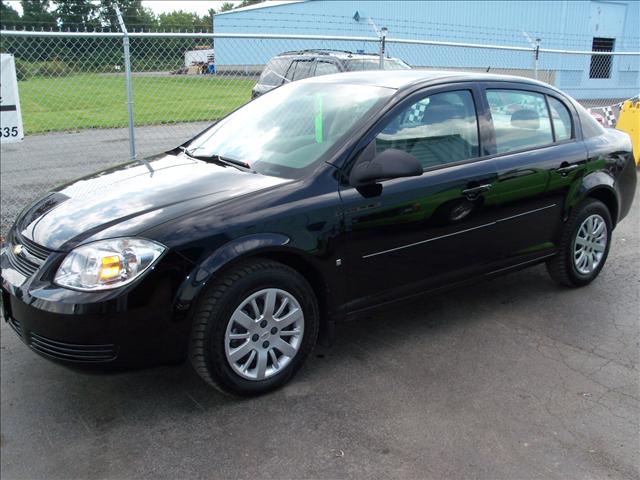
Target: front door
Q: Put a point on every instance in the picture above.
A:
(413, 233)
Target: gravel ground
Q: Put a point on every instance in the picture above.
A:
(515, 378)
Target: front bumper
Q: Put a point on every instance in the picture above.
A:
(133, 327)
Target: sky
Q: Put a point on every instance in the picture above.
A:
(201, 7)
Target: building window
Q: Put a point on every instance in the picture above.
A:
(601, 64)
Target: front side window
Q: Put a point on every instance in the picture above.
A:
(299, 70)
(520, 120)
(437, 130)
(273, 73)
(287, 131)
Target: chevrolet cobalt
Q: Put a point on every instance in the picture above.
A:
(312, 204)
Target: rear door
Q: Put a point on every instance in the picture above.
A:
(537, 156)
(411, 233)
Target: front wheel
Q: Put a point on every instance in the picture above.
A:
(254, 328)
(584, 245)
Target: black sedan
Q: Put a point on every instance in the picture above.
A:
(312, 204)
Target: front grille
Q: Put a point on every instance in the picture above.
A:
(30, 258)
(72, 352)
(35, 250)
(21, 264)
(15, 324)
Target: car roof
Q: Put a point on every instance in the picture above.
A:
(399, 79)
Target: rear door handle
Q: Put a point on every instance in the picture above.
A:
(474, 192)
(567, 169)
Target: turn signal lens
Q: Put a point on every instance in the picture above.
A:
(110, 267)
(107, 264)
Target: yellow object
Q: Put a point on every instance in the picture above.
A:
(629, 122)
(110, 267)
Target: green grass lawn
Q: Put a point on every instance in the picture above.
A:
(100, 100)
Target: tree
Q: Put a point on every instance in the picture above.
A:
(36, 15)
(183, 21)
(135, 16)
(212, 13)
(9, 17)
(226, 6)
(77, 14)
(246, 3)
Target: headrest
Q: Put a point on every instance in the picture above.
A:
(444, 112)
(526, 118)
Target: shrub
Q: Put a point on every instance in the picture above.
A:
(24, 69)
(48, 68)
(52, 68)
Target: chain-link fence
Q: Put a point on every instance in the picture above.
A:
(73, 92)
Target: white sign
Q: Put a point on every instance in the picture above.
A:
(10, 117)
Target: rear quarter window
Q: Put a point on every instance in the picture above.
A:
(590, 126)
(561, 119)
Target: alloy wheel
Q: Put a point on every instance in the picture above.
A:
(264, 334)
(590, 244)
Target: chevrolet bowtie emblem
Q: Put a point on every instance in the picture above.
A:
(17, 249)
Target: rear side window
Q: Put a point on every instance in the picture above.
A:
(520, 120)
(561, 119)
(437, 130)
(273, 73)
(326, 68)
(373, 63)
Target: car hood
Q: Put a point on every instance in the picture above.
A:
(126, 200)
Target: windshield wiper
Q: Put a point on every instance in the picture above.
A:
(245, 167)
(234, 163)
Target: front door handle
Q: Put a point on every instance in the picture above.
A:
(473, 192)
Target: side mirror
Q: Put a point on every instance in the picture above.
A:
(391, 163)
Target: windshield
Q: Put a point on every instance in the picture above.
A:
(360, 64)
(286, 132)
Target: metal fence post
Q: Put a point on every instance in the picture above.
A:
(383, 39)
(536, 57)
(127, 70)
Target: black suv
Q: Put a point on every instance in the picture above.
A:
(291, 66)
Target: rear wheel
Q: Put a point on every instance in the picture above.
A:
(584, 245)
(254, 328)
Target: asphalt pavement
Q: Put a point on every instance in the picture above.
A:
(42, 162)
(514, 378)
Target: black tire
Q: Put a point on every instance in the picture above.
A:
(561, 267)
(213, 314)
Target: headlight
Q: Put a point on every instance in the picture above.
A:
(107, 263)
